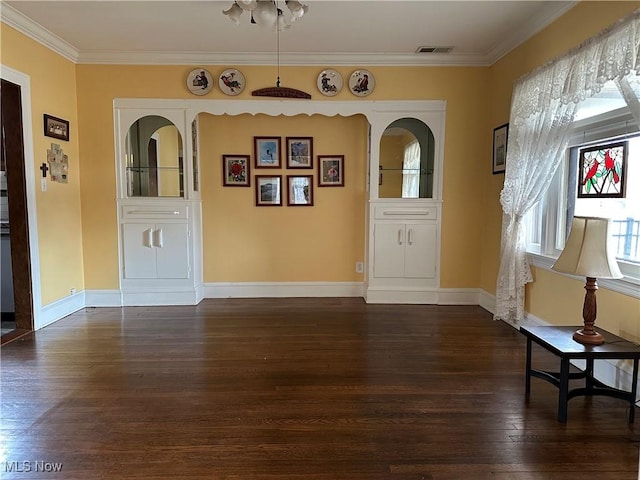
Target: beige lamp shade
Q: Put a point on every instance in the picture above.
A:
(587, 252)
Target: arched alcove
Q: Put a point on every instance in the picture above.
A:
(406, 160)
(154, 158)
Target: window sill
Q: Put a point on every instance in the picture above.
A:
(627, 286)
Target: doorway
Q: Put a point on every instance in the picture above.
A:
(15, 231)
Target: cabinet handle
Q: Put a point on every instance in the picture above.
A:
(147, 241)
(410, 236)
(406, 212)
(153, 212)
(157, 238)
(400, 236)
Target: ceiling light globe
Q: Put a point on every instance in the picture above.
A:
(265, 14)
(296, 8)
(234, 13)
(282, 22)
(247, 4)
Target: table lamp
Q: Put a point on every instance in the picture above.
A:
(587, 253)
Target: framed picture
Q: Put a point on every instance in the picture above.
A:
(267, 152)
(300, 190)
(268, 191)
(603, 171)
(235, 171)
(56, 127)
(299, 152)
(500, 135)
(330, 170)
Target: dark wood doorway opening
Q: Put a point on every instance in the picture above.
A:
(13, 163)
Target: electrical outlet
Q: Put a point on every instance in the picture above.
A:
(72, 291)
(359, 267)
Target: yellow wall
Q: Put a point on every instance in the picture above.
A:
(391, 158)
(170, 148)
(245, 243)
(552, 297)
(53, 91)
(462, 88)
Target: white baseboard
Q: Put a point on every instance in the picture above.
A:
(285, 289)
(433, 296)
(199, 292)
(103, 298)
(159, 297)
(459, 296)
(402, 296)
(60, 308)
(487, 301)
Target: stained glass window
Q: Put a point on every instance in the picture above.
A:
(603, 170)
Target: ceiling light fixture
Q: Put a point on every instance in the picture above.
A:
(267, 13)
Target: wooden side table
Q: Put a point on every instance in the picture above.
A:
(558, 341)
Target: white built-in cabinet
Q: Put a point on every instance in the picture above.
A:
(159, 209)
(156, 250)
(160, 227)
(404, 230)
(404, 253)
(404, 250)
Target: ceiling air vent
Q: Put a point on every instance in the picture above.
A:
(434, 49)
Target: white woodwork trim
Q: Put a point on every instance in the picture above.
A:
(487, 301)
(159, 297)
(282, 289)
(103, 298)
(459, 296)
(379, 115)
(54, 311)
(402, 295)
(24, 81)
(35, 31)
(417, 295)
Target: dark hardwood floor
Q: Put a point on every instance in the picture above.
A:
(282, 389)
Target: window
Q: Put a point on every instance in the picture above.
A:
(598, 135)
(411, 170)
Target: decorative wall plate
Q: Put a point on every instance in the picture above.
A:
(362, 83)
(231, 81)
(199, 81)
(329, 82)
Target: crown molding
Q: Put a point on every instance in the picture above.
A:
(12, 17)
(35, 31)
(217, 58)
(533, 25)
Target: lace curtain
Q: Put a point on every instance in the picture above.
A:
(411, 171)
(543, 107)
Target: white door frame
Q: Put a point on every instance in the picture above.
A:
(24, 81)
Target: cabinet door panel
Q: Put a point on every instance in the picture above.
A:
(171, 242)
(388, 250)
(420, 259)
(139, 254)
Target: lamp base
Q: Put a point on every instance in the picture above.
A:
(593, 338)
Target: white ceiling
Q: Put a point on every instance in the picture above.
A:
(361, 32)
